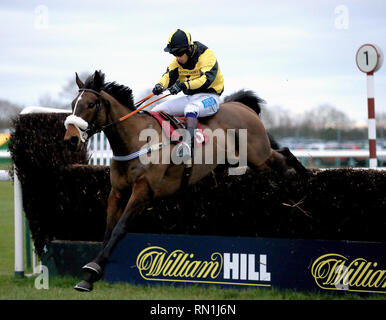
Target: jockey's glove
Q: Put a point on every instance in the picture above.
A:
(158, 89)
(175, 88)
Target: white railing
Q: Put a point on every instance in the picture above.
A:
(99, 150)
(4, 154)
(336, 153)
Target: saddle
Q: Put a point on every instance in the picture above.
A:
(170, 125)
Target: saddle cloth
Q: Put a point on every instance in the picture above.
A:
(170, 124)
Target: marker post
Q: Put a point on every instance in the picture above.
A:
(369, 59)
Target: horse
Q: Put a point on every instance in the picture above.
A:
(99, 105)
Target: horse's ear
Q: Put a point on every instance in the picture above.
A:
(78, 81)
(98, 81)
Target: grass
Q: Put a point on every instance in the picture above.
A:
(61, 288)
(6, 227)
(5, 164)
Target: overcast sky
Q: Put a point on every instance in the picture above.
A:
(294, 54)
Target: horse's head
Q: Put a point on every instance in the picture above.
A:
(88, 114)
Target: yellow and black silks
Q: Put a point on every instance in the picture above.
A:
(200, 74)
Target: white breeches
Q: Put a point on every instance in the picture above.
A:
(202, 104)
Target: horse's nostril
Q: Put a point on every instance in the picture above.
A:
(74, 140)
(72, 143)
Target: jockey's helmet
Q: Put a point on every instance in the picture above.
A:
(179, 39)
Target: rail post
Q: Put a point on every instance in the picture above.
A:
(18, 203)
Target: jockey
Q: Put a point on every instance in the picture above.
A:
(195, 72)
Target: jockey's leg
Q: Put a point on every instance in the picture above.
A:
(174, 107)
(203, 104)
(191, 126)
(200, 105)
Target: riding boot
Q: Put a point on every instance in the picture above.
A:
(191, 126)
(187, 146)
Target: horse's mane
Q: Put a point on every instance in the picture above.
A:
(247, 97)
(120, 92)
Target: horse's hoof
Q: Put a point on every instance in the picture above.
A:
(83, 286)
(93, 268)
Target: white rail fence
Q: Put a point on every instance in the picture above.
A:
(101, 154)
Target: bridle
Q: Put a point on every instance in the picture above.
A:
(86, 129)
(93, 128)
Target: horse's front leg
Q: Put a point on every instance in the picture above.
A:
(115, 207)
(137, 203)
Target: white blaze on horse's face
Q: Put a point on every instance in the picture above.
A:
(77, 101)
(79, 123)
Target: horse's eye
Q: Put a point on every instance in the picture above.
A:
(91, 105)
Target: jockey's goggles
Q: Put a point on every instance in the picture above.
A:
(179, 53)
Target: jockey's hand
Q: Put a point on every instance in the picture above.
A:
(175, 88)
(158, 89)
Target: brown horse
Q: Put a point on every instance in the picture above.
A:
(99, 104)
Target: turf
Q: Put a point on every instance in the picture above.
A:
(6, 227)
(61, 288)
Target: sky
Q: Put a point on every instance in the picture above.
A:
(294, 54)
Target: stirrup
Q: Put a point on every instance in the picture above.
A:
(184, 151)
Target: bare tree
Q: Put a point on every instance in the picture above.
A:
(70, 89)
(276, 116)
(8, 111)
(66, 95)
(381, 120)
(324, 117)
(46, 100)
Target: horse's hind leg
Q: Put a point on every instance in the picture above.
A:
(276, 162)
(292, 161)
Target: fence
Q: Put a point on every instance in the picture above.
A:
(101, 154)
(100, 150)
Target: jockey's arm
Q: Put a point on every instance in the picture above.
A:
(208, 66)
(208, 69)
(170, 76)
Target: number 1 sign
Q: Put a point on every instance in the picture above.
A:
(369, 59)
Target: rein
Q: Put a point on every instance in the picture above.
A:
(90, 131)
(87, 131)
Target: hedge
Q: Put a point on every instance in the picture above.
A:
(65, 199)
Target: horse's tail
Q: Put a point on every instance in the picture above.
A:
(252, 100)
(247, 97)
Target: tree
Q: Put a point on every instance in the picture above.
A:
(46, 100)
(8, 111)
(381, 124)
(325, 117)
(70, 89)
(66, 95)
(276, 116)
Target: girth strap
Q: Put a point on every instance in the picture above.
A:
(141, 152)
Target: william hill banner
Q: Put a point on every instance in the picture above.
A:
(250, 262)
